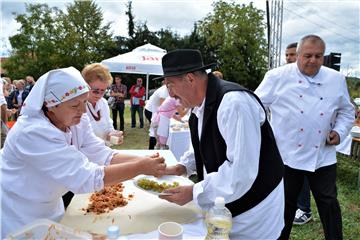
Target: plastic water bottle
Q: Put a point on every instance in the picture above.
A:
(218, 221)
(113, 233)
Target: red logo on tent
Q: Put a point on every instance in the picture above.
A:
(149, 58)
(130, 68)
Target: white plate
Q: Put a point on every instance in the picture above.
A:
(169, 179)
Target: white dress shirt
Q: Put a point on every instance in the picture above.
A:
(40, 163)
(105, 125)
(303, 111)
(239, 118)
(154, 101)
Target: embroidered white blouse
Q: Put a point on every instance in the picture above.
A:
(303, 111)
(40, 163)
(105, 125)
(239, 118)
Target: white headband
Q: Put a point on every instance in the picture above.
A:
(54, 87)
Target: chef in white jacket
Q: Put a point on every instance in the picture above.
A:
(52, 149)
(99, 78)
(311, 113)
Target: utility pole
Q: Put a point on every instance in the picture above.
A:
(274, 13)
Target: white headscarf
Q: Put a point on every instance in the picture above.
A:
(54, 87)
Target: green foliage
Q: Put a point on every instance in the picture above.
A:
(35, 45)
(84, 39)
(234, 36)
(49, 38)
(131, 24)
(353, 84)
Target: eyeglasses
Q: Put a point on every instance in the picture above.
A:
(98, 91)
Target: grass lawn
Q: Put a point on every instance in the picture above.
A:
(347, 183)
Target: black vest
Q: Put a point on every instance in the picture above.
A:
(210, 151)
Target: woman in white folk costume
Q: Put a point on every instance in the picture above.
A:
(52, 149)
(99, 79)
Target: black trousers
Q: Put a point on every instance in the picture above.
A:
(120, 107)
(304, 199)
(152, 140)
(139, 110)
(322, 183)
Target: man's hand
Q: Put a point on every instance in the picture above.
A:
(333, 138)
(180, 195)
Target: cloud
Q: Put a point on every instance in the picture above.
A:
(337, 22)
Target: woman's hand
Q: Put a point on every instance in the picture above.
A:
(116, 137)
(175, 170)
(153, 165)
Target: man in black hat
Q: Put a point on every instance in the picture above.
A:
(234, 152)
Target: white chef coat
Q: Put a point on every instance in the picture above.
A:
(153, 103)
(303, 111)
(239, 118)
(105, 125)
(40, 163)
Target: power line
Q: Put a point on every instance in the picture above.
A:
(351, 39)
(328, 20)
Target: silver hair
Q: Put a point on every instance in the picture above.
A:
(311, 38)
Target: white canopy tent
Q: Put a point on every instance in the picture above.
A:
(145, 59)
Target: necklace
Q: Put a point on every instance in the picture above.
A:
(96, 116)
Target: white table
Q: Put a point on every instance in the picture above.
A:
(179, 141)
(141, 216)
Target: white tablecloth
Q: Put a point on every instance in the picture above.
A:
(179, 138)
(194, 230)
(192, 219)
(178, 141)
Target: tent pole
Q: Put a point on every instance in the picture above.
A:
(147, 86)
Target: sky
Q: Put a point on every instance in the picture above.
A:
(336, 21)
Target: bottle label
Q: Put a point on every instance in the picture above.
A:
(218, 228)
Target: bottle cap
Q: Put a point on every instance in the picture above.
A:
(113, 232)
(219, 202)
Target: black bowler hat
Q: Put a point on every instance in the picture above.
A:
(182, 61)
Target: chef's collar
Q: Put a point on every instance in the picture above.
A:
(314, 79)
(199, 110)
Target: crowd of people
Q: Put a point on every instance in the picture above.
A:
(262, 151)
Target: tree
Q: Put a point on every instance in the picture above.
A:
(131, 24)
(35, 44)
(235, 39)
(49, 39)
(84, 38)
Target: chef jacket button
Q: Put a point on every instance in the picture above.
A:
(321, 98)
(300, 96)
(300, 81)
(299, 145)
(319, 131)
(302, 111)
(321, 114)
(316, 146)
(301, 129)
